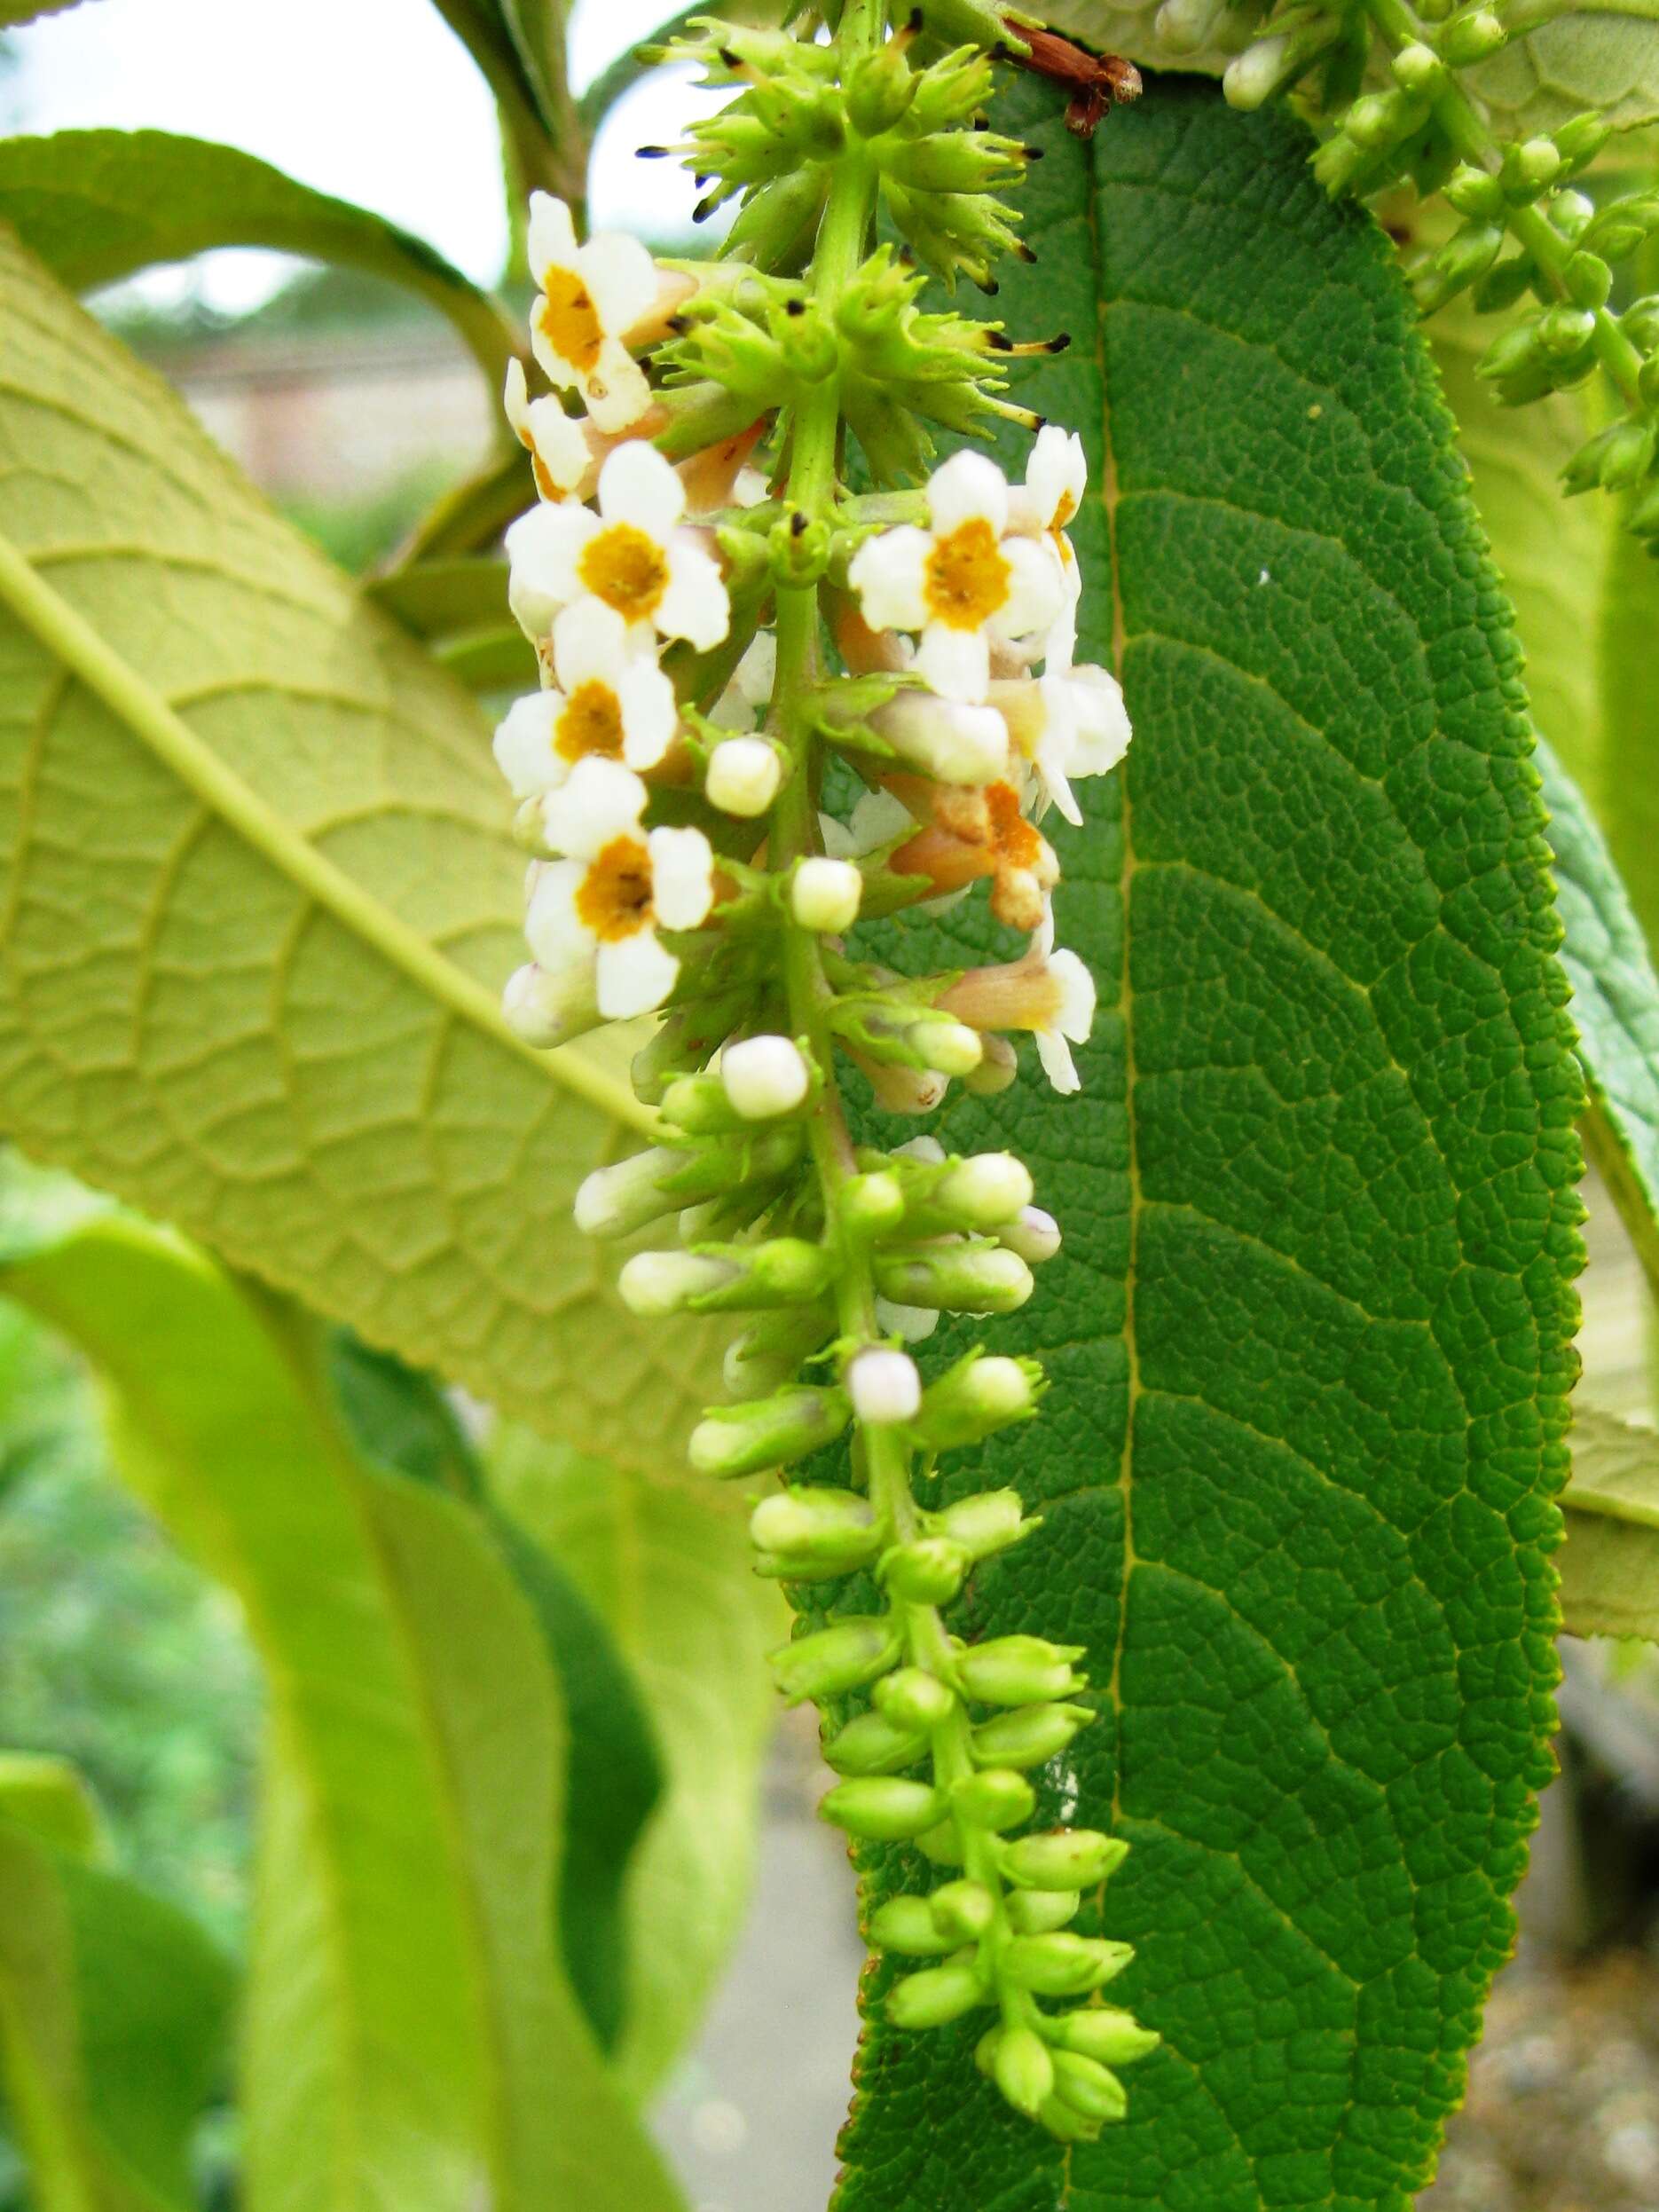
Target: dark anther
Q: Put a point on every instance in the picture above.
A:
(797, 523)
(997, 342)
(1034, 152)
(677, 326)
(989, 286)
(653, 154)
(704, 208)
(730, 58)
(914, 21)
(1059, 344)
(794, 307)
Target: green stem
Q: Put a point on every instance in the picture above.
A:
(1461, 122)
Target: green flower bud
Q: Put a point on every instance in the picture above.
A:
(1502, 285)
(994, 1519)
(935, 1997)
(1580, 140)
(800, 547)
(982, 1192)
(1023, 2070)
(929, 1571)
(1099, 2032)
(1457, 265)
(1643, 516)
(963, 1910)
(1417, 68)
(1018, 1670)
(1648, 381)
(1588, 279)
(615, 1201)
(1086, 2086)
(732, 1440)
(1066, 2123)
(1617, 457)
(912, 1698)
(1064, 1858)
(1338, 161)
(1061, 1965)
(1475, 192)
(939, 1042)
(882, 1809)
(844, 1657)
(1572, 212)
(779, 221)
(998, 1069)
(997, 1797)
(873, 1745)
(966, 1278)
(1531, 169)
(698, 1104)
(769, 1351)
(942, 1845)
(1377, 122)
(653, 1283)
(1564, 331)
(985, 2049)
(1511, 352)
(836, 1528)
(879, 88)
(906, 1925)
(1029, 1736)
(872, 1205)
(955, 161)
(1470, 37)
(1036, 1911)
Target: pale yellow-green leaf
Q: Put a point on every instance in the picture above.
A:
(259, 901)
(53, 1802)
(411, 2040)
(1610, 1566)
(1605, 58)
(667, 1564)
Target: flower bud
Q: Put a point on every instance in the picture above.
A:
(906, 1925)
(1100, 2032)
(881, 1808)
(1564, 331)
(1060, 1964)
(911, 1324)
(998, 1798)
(1588, 279)
(873, 1745)
(1581, 140)
(942, 1845)
(1474, 192)
(941, 1042)
(653, 1283)
(1531, 168)
(1030, 1736)
(967, 1278)
(1418, 67)
(615, 1201)
(872, 1205)
(1470, 37)
(962, 1910)
(913, 1698)
(970, 1402)
(998, 1068)
(769, 1351)
(1064, 1858)
(545, 1010)
(1087, 2087)
(1066, 2123)
(884, 1386)
(1035, 1235)
(983, 1192)
(1018, 1670)
(824, 895)
(743, 776)
(1023, 2069)
(811, 1520)
(929, 1571)
(833, 1660)
(699, 1105)
(985, 2049)
(1037, 1911)
(732, 1440)
(935, 1997)
(765, 1077)
(954, 743)
(879, 88)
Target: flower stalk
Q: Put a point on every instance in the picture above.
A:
(722, 621)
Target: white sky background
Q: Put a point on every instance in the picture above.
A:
(374, 100)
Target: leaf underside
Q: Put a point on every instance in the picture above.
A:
(1610, 1561)
(1310, 1331)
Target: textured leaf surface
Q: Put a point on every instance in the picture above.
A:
(666, 1562)
(1609, 1564)
(97, 205)
(112, 2015)
(258, 901)
(1310, 1333)
(407, 2018)
(1605, 57)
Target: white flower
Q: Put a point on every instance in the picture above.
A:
(546, 1010)
(748, 695)
(1067, 723)
(601, 907)
(1072, 1015)
(561, 458)
(1056, 477)
(634, 557)
(608, 700)
(825, 894)
(961, 582)
(884, 1386)
(765, 1077)
(743, 776)
(590, 297)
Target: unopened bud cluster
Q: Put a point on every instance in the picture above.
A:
(1526, 237)
(717, 617)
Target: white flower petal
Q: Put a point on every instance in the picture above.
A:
(599, 801)
(590, 644)
(550, 239)
(1057, 1064)
(913, 1324)
(553, 929)
(682, 877)
(638, 485)
(543, 549)
(889, 574)
(1036, 587)
(650, 713)
(635, 975)
(1103, 721)
(756, 674)
(621, 279)
(876, 819)
(516, 398)
(524, 748)
(616, 388)
(1057, 475)
(956, 664)
(1076, 1017)
(561, 452)
(967, 487)
(696, 605)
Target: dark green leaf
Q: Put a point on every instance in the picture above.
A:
(97, 205)
(1311, 1333)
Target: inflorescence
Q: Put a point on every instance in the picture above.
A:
(729, 636)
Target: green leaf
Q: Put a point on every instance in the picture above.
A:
(666, 1562)
(1605, 57)
(612, 1773)
(113, 2012)
(53, 1801)
(1309, 1335)
(15, 12)
(259, 899)
(1615, 1009)
(98, 205)
(1609, 1565)
(407, 2014)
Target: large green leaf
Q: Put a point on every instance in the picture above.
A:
(1609, 1564)
(411, 2039)
(97, 205)
(667, 1564)
(1310, 1333)
(1602, 57)
(259, 901)
(113, 2013)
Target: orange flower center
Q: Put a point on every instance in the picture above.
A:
(1016, 842)
(591, 722)
(966, 577)
(569, 320)
(615, 899)
(625, 569)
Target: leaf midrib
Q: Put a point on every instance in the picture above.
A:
(79, 649)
